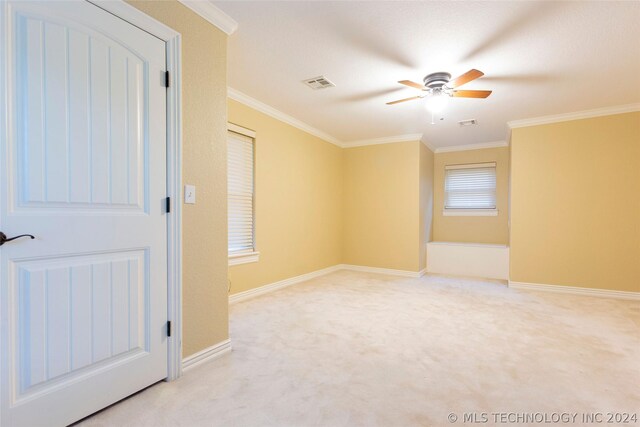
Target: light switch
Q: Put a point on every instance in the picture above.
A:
(190, 194)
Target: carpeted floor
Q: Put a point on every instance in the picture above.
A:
(359, 349)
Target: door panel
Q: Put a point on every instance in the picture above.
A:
(78, 311)
(80, 98)
(84, 305)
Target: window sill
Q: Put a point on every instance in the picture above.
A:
(244, 258)
(470, 212)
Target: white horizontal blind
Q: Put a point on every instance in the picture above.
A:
(470, 186)
(240, 193)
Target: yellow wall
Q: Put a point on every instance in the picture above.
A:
(298, 190)
(575, 206)
(382, 206)
(426, 202)
(474, 229)
(318, 205)
(204, 225)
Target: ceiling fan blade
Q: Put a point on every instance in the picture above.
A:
(471, 93)
(465, 78)
(403, 100)
(412, 84)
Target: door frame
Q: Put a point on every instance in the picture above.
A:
(173, 42)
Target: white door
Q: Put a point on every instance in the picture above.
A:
(83, 306)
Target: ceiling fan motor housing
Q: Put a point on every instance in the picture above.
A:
(437, 80)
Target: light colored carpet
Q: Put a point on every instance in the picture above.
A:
(358, 349)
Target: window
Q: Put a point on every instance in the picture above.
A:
(470, 189)
(240, 194)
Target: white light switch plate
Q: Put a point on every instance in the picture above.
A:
(190, 194)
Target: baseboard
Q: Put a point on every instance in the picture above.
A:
(389, 271)
(206, 355)
(573, 290)
(241, 296)
(251, 293)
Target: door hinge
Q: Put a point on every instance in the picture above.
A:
(169, 328)
(166, 79)
(168, 204)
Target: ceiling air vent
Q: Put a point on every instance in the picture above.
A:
(319, 82)
(470, 122)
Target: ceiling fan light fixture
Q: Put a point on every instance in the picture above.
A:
(436, 103)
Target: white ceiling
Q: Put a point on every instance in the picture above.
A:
(539, 58)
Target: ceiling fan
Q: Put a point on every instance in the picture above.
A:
(439, 86)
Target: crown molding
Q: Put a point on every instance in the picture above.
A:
(466, 147)
(606, 111)
(277, 114)
(236, 95)
(384, 140)
(211, 13)
(429, 145)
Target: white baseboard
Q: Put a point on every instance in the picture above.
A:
(251, 293)
(389, 271)
(574, 290)
(206, 355)
(241, 296)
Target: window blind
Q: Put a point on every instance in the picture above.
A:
(471, 186)
(240, 193)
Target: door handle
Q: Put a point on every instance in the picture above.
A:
(4, 239)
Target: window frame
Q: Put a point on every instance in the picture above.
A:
(246, 256)
(469, 211)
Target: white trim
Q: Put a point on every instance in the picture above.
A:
(277, 114)
(244, 258)
(466, 147)
(136, 17)
(606, 111)
(574, 290)
(238, 96)
(478, 245)
(470, 166)
(384, 140)
(242, 296)
(251, 293)
(241, 130)
(378, 270)
(211, 13)
(470, 212)
(428, 145)
(174, 220)
(206, 355)
(174, 168)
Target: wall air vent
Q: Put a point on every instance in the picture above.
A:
(319, 82)
(470, 122)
